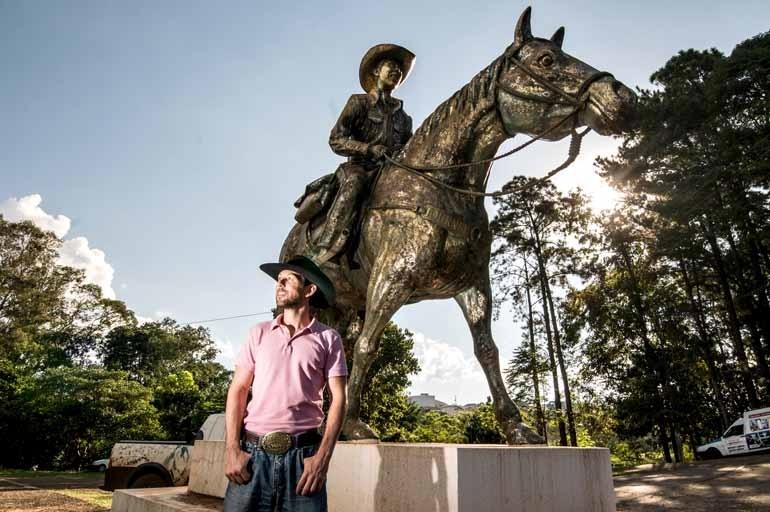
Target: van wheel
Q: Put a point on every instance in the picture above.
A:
(148, 480)
(713, 453)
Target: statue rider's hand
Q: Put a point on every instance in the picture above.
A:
(378, 151)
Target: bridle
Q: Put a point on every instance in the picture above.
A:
(578, 102)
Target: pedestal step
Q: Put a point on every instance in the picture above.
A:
(163, 499)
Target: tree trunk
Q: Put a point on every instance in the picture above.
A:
(663, 439)
(539, 415)
(732, 316)
(562, 366)
(552, 358)
(706, 344)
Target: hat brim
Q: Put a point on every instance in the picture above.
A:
(319, 298)
(375, 55)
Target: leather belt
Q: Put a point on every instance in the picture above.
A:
(278, 443)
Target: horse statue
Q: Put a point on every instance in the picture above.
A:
(424, 232)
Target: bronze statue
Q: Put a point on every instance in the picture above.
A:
(370, 127)
(424, 230)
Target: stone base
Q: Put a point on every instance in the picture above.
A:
(163, 499)
(469, 478)
(394, 477)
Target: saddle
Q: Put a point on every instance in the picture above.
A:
(312, 212)
(316, 199)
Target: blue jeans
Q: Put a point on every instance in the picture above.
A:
(273, 484)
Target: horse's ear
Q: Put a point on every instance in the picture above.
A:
(523, 28)
(558, 37)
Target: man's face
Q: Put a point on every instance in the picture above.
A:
(388, 74)
(290, 289)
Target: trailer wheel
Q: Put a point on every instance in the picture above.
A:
(148, 480)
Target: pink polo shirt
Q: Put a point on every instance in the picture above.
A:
(290, 373)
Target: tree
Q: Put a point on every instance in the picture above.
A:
(385, 402)
(70, 416)
(539, 223)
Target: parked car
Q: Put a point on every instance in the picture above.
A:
(748, 434)
(99, 465)
(140, 464)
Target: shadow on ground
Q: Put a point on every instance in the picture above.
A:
(730, 484)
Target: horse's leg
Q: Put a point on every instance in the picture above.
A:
(476, 303)
(387, 292)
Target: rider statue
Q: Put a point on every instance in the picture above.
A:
(370, 127)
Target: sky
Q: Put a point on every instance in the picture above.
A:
(165, 142)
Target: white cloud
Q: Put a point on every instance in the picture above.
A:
(155, 317)
(228, 351)
(447, 373)
(74, 252)
(443, 363)
(28, 208)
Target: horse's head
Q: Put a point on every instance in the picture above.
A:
(539, 85)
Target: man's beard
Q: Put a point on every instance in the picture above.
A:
(288, 302)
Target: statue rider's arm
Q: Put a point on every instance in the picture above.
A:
(408, 132)
(341, 138)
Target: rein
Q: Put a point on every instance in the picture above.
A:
(577, 101)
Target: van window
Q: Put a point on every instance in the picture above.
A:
(735, 430)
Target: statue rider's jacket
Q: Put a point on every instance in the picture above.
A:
(368, 120)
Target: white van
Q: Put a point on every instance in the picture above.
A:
(749, 434)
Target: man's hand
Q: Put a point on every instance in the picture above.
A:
(313, 476)
(236, 467)
(378, 151)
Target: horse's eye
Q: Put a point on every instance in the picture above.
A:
(546, 60)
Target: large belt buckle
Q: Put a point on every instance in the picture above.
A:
(276, 443)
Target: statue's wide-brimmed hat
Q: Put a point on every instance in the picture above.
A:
(375, 55)
(324, 296)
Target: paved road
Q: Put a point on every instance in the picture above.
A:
(730, 484)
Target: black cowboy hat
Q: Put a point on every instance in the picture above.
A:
(377, 54)
(324, 296)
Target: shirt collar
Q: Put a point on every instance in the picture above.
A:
(278, 322)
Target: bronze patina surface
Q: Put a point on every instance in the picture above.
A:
(422, 241)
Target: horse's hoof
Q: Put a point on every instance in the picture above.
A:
(358, 431)
(520, 433)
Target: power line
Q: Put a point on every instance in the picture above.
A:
(228, 318)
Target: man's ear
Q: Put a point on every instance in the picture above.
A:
(310, 289)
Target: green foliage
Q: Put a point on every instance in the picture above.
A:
(76, 371)
(384, 405)
(436, 427)
(71, 416)
(481, 426)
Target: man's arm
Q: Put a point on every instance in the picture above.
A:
(316, 466)
(235, 409)
(341, 137)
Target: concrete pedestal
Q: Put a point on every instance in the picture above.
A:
(390, 477)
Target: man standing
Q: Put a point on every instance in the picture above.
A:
(370, 127)
(276, 458)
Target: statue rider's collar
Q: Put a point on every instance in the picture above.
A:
(387, 103)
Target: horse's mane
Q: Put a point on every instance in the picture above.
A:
(479, 87)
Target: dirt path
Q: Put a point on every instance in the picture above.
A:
(47, 494)
(732, 484)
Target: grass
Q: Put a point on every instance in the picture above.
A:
(92, 496)
(25, 473)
